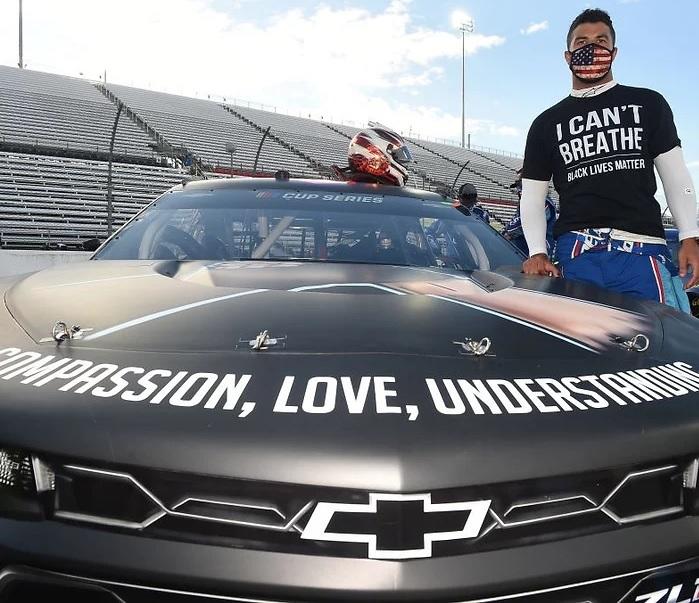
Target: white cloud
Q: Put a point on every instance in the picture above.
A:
(340, 63)
(425, 78)
(504, 130)
(534, 28)
(693, 165)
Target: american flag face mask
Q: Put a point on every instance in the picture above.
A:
(591, 62)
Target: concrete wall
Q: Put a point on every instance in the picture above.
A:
(19, 261)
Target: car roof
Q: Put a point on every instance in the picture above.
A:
(298, 184)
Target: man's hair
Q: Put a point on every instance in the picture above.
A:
(468, 191)
(591, 15)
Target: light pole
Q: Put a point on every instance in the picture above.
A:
(467, 26)
(230, 148)
(21, 49)
(257, 156)
(110, 194)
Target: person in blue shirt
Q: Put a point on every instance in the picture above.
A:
(513, 230)
(467, 197)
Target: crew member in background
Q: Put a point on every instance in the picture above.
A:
(600, 145)
(513, 230)
(468, 198)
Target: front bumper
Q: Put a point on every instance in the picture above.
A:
(599, 568)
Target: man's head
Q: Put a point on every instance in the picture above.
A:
(468, 195)
(591, 47)
(516, 186)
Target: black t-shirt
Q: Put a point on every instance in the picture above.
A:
(600, 152)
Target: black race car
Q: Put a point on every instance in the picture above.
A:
(274, 390)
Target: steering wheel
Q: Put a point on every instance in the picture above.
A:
(186, 242)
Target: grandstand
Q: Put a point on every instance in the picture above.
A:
(311, 137)
(204, 127)
(57, 202)
(54, 149)
(44, 111)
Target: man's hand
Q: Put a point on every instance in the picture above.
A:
(688, 257)
(541, 265)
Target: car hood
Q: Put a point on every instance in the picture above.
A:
(363, 380)
(316, 308)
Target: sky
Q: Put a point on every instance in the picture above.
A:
(393, 61)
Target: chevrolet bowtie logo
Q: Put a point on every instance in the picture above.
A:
(397, 526)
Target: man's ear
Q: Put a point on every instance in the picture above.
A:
(614, 53)
(567, 55)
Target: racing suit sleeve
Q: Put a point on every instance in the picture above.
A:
(679, 191)
(514, 227)
(533, 212)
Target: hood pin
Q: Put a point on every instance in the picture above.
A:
(471, 347)
(638, 343)
(263, 341)
(61, 332)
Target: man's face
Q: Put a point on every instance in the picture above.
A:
(590, 33)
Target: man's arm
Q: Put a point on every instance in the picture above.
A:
(682, 201)
(533, 212)
(536, 173)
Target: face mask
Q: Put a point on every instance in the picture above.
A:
(591, 62)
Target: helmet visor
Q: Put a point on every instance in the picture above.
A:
(402, 155)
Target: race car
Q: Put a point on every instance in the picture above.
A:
(286, 390)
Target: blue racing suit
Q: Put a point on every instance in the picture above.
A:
(514, 233)
(642, 270)
(475, 209)
(481, 213)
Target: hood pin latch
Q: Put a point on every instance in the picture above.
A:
(264, 341)
(61, 331)
(638, 343)
(472, 347)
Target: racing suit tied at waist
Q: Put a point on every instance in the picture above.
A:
(572, 244)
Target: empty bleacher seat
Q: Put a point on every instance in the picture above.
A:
(62, 200)
(46, 110)
(205, 128)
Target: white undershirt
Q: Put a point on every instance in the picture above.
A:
(592, 91)
(677, 183)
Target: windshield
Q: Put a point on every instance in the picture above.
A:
(374, 232)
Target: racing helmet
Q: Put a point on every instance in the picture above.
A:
(381, 153)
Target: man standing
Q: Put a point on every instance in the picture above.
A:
(468, 197)
(600, 144)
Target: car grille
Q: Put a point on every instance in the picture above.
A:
(272, 516)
